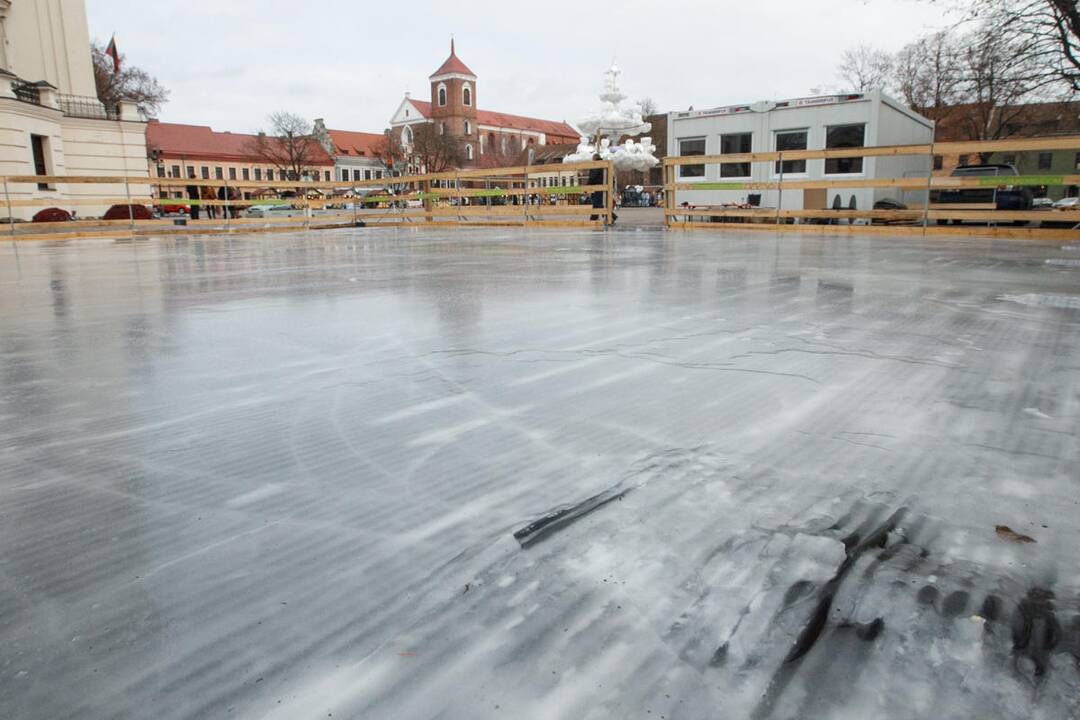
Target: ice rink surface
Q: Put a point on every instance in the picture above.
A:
(539, 474)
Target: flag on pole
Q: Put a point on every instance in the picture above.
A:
(112, 52)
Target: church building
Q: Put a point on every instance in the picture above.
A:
(490, 139)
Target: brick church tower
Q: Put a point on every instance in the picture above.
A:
(453, 103)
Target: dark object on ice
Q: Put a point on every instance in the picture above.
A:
(1035, 629)
(855, 545)
(126, 212)
(52, 214)
(1007, 533)
(536, 531)
(867, 631)
(359, 223)
(889, 204)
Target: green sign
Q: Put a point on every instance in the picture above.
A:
(1023, 180)
(722, 186)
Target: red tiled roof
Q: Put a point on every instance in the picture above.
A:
(355, 144)
(453, 64)
(512, 122)
(519, 122)
(202, 142)
(423, 106)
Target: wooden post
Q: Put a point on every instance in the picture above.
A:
(131, 210)
(11, 216)
(525, 194)
(779, 189)
(607, 194)
(227, 208)
(929, 184)
(460, 199)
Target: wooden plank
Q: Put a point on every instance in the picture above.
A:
(74, 202)
(816, 214)
(933, 230)
(936, 183)
(1070, 142)
(994, 216)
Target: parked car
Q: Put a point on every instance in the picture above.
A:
(175, 209)
(1070, 203)
(265, 211)
(128, 212)
(52, 214)
(1003, 196)
(1041, 203)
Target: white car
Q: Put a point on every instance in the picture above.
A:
(1041, 203)
(263, 211)
(1070, 203)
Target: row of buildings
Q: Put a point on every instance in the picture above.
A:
(52, 123)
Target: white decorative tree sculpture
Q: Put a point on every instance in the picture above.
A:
(604, 127)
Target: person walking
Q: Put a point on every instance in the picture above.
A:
(193, 196)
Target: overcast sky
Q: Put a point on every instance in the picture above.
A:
(229, 63)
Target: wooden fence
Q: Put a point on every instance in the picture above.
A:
(497, 196)
(920, 218)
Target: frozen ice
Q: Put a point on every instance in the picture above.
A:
(280, 476)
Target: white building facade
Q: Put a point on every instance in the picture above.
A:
(51, 121)
(814, 123)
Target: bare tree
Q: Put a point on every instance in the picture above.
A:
(998, 79)
(647, 106)
(436, 151)
(928, 75)
(391, 151)
(425, 150)
(130, 83)
(1044, 32)
(864, 68)
(289, 146)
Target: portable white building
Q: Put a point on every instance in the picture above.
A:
(813, 123)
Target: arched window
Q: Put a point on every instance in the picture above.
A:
(406, 136)
(468, 152)
(468, 128)
(466, 95)
(442, 95)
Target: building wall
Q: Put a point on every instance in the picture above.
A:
(346, 168)
(176, 169)
(74, 147)
(50, 40)
(884, 124)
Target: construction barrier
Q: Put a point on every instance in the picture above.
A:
(538, 195)
(925, 217)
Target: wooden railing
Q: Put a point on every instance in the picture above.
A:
(922, 217)
(498, 196)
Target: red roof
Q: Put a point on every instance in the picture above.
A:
(355, 144)
(511, 122)
(201, 142)
(453, 64)
(519, 122)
